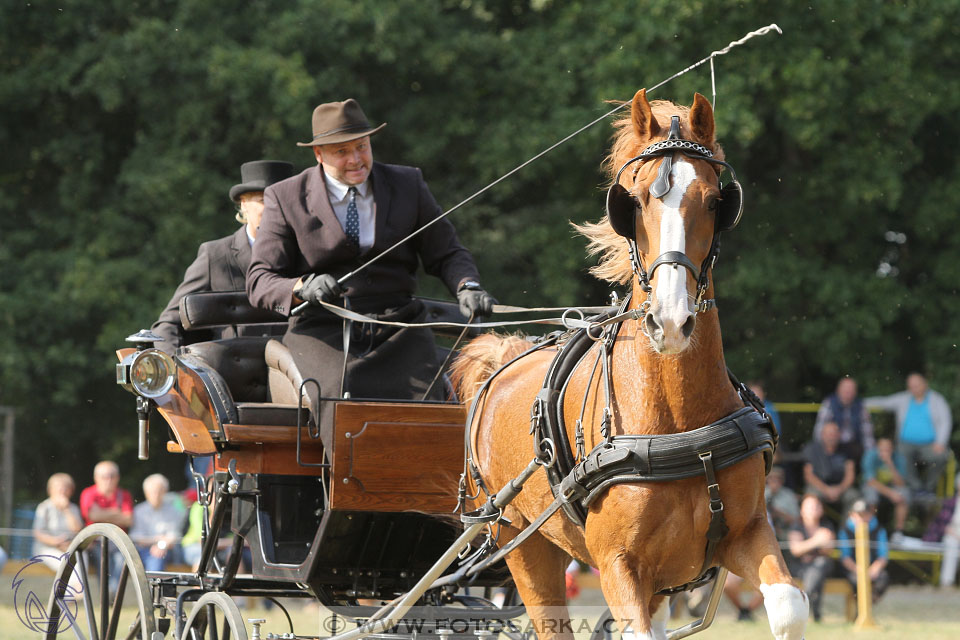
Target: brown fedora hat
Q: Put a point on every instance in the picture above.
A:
(335, 122)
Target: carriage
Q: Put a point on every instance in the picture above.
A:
(357, 524)
(652, 450)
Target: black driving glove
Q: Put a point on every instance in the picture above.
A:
(475, 302)
(319, 287)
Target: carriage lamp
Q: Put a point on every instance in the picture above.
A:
(152, 373)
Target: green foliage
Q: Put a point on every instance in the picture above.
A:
(124, 124)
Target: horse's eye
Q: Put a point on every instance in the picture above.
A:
(714, 203)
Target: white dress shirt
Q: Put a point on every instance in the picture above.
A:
(338, 193)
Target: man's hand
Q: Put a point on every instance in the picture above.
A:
(475, 302)
(938, 448)
(319, 287)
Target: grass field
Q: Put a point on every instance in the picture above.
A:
(913, 613)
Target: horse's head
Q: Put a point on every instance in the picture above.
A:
(666, 200)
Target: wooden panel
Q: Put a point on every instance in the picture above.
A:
(274, 459)
(188, 411)
(397, 457)
(243, 433)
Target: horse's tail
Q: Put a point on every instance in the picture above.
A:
(480, 358)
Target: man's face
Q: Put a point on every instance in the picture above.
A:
(885, 447)
(348, 162)
(811, 508)
(106, 479)
(251, 204)
(154, 493)
(830, 435)
(847, 390)
(917, 385)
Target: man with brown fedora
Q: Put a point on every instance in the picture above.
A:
(221, 265)
(328, 221)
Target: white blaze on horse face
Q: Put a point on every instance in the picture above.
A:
(671, 291)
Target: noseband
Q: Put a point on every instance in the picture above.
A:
(622, 207)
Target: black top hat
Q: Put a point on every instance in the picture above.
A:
(258, 175)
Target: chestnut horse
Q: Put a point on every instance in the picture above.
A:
(668, 376)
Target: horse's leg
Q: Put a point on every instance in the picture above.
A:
(538, 568)
(628, 595)
(755, 556)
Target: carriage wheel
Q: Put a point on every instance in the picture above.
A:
(214, 617)
(83, 608)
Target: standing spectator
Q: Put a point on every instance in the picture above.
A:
(828, 471)
(157, 524)
(849, 413)
(106, 502)
(924, 424)
(811, 540)
(863, 511)
(782, 503)
(56, 522)
(883, 478)
(951, 539)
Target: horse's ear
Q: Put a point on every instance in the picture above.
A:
(701, 121)
(645, 126)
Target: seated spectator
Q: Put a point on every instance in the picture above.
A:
(157, 524)
(106, 502)
(883, 479)
(863, 511)
(850, 414)
(811, 540)
(951, 539)
(56, 522)
(782, 503)
(828, 471)
(924, 424)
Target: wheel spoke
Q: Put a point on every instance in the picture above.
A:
(134, 628)
(87, 597)
(111, 631)
(212, 621)
(104, 581)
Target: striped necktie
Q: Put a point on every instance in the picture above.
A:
(353, 218)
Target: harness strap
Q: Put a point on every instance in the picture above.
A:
(718, 524)
(516, 542)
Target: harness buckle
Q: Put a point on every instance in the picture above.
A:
(718, 509)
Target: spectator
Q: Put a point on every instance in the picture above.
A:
(951, 540)
(157, 524)
(828, 471)
(811, 540)
(863, 511)
(56, 522)
(106, 502)
(923, 430)
(782, 503)
(883, 478)
(850, 415)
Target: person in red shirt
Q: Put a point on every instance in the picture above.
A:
(105, 501)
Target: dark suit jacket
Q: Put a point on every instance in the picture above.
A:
(221, 265)
(300, 234)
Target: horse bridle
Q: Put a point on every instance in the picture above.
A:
(622, 207)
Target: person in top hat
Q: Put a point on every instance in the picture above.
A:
(329, 220)
(221, 265)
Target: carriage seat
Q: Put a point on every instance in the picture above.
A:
(237, 376)
(226, 314)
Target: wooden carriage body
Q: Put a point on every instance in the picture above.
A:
(364, 520)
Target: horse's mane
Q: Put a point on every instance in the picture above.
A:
(614, 261)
